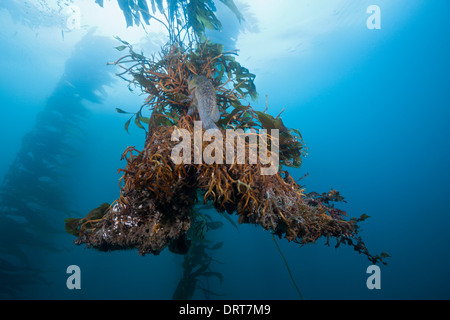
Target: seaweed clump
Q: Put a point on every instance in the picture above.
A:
(158, 195)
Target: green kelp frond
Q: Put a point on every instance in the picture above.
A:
(189, 16)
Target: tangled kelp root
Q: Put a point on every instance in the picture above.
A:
(140, 219)
(157, 199)
(147, 229)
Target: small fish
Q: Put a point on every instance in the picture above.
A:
(203, 95)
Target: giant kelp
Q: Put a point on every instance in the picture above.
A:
(180, 15)
(34, 192)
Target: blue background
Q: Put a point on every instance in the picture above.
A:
(375, 117)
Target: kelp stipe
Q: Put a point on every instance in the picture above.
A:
(288, 269)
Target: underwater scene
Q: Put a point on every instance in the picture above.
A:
(224, 150)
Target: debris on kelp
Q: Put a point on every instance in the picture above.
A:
(74, 225)
(193, 17)
(146, 225)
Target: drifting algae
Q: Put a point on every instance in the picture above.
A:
(158, 196)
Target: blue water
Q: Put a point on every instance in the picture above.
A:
(373, 107)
